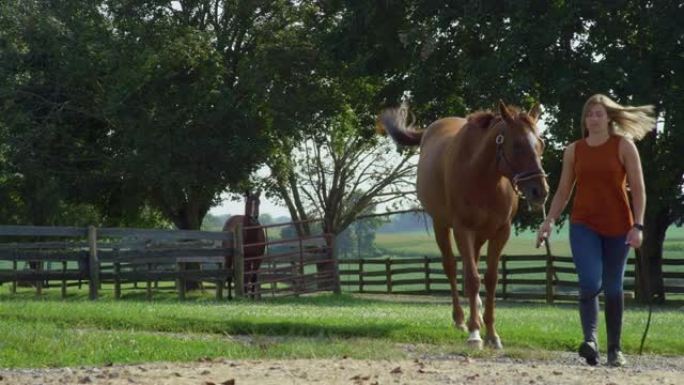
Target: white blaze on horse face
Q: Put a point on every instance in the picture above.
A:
(533, 140)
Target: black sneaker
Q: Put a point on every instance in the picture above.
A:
(615, 358)
(589, 352)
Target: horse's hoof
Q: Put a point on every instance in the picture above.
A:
(493, 342)
(462, 326)
(475, 343)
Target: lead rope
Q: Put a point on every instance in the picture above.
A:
(650, 297)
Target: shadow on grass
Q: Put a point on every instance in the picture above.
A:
(319, 299)
(278, 328)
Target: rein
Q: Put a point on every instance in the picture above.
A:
(649, 290)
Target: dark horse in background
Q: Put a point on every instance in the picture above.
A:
(470, 173)
(253, 238)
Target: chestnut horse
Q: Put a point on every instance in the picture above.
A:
(253, 239)
(470, 173)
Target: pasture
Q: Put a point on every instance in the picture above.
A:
(419, 243)
(49, 332)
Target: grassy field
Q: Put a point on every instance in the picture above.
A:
(50, 332)
(421, 243)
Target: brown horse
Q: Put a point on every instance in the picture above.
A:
(253, 238)
(470, 173)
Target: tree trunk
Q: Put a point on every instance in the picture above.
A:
(327, 268)
(189, 217)
(649, 282)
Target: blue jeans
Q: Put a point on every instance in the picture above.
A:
(600, 262)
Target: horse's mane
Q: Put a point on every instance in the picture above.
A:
(481, 119)
(486, 118)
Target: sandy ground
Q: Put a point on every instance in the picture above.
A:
(564, 369)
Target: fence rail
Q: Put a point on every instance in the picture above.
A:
(527, 277)
(119, 256)
(70, 256)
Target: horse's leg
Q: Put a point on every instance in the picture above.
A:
(496, 244)
(465, 240)
(479, 241)
(449, 264)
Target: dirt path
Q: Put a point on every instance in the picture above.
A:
(561, 370)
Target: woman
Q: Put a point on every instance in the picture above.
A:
(602, 226)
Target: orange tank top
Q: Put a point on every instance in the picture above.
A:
(601, 201)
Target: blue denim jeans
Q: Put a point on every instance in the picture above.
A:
(600, 262)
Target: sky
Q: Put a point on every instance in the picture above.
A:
(238, 208)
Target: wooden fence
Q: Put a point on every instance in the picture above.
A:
(293, 265)
(123, 258)
(527, 277)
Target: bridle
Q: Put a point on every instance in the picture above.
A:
(516, 177)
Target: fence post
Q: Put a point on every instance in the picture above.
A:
(330, 242)
(219, 284)
(300, 285)
(427, 274)
(64, 282)
(93, 263)
(462, 291)
(388, 273)
(360, 275)
(238, 262)
(117, 280)
(180, 281)
(504, 276)
(14, 269)
(150, 268)
(550, 286)
(39, 282)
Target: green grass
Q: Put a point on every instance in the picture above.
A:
(52, 332)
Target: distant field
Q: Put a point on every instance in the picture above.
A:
(423, 243)
(420, 243)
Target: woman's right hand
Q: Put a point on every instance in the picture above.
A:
(544, 231)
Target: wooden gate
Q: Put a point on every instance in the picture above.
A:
(291, 265)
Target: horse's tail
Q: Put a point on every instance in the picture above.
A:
(393, 121)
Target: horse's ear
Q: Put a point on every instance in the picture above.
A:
(505, 112)
(535, 112)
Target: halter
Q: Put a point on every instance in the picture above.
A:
(520, 176)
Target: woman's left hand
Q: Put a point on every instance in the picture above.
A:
(634, 238)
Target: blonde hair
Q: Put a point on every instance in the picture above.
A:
(634, 122)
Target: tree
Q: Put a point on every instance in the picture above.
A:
(458, 57)
(132, 104)
(339, 172)
(55, 139)
(187, 104)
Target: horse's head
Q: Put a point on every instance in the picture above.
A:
(252, 204)
(519, 151)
